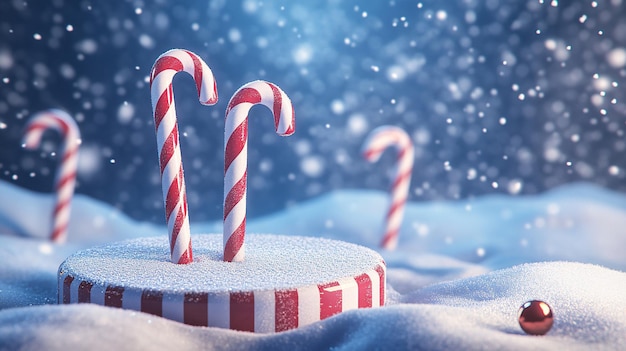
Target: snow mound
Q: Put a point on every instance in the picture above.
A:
(470, 314)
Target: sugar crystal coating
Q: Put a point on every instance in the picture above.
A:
(272, 263)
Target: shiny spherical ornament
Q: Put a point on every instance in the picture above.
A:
(535, 317)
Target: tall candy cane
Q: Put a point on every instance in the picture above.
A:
(236, 155)
(172, 177)
(377, 141)
(66, 173)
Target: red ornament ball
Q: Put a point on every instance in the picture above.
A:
(535, 317)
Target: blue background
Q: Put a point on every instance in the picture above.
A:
(511, 97)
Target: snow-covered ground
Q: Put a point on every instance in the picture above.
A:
(461, 271)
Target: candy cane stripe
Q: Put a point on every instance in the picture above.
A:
(244, 95)
(237, 192)
(168, 150)
(164, 63)
(177, 245)
(171, 201)
(401, 178)
(69, 155)
(376, 143)
(68, 178)
(170, 153)
(278, 105)
(285, 126)
(234, 249)
(170, 161)
(162, 107)
(197, 74)
(235, 144)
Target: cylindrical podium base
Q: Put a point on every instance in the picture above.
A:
(285, 281)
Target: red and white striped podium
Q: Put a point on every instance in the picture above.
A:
(284, 283)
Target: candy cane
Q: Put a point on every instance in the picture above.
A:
(236, 155)
(377, 141)
(65, 179)
(172, 177)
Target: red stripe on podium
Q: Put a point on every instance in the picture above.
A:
(67, 284)
(113, 296)
(242, 311)
(84, 292)
(152, 302)
(196, 309)
(286, 316)
(381, 273)
(364, 284)
(330, 299)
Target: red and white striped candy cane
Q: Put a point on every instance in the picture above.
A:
(236, 155)
(66, 173)
(172, 177)
(377, 141)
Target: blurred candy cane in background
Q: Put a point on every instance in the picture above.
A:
(375, 144)
(65, 179)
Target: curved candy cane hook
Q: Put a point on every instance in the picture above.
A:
(164, 109)
(236, 155)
